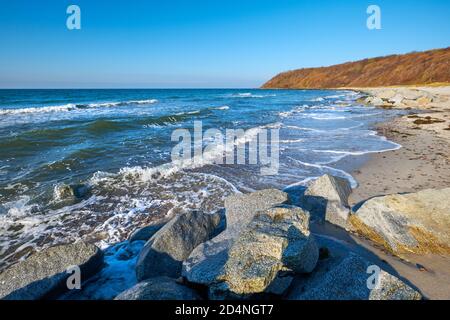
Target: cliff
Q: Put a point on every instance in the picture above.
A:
(408, 69)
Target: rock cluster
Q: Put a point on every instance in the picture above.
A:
(260, 246)
(418, 98)
(276, 240)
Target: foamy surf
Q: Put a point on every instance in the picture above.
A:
(73, 106)
(97, 170)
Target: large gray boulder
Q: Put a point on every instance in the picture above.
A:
(276, 240)
(145, 233)
(241, 208)
(327, 200)
(344, 275)
(164, 253)
(44, 274)
(206, 261)
(159, 288)
(404, 223)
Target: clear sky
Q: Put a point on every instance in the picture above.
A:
(202, 43)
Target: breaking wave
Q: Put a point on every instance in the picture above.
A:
(72, 106)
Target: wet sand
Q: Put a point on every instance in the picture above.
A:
(423, 162)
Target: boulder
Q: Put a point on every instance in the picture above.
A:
(344, 275)
(276, 240)
(159, 288)
(241, 208)
(165, 251)
(416, 222)
(386, 94)
(206, 261)
(145, 233)
(327, 199)
(397, 100)
(410, 94)
(411, 103)
(44, 274)
(71, 192)
(425, 100)
(377, 101)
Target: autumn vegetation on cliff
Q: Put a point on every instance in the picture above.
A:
(417, 68)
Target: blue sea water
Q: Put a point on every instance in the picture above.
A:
(109, 145)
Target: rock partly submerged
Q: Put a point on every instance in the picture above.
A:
(44, 274)
(327, 199)
(71, 192)
(165, 251)
(159, 288)
(404, 223)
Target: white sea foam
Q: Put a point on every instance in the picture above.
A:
(360, 153)
(72, 106)
(62, 108)
(331, 170)
(292, 140)
(251, 95)
(221, 108)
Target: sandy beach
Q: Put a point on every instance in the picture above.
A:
(423, 162)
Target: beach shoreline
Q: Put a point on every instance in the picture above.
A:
(419, 160)
(422, 162)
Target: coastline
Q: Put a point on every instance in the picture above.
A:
(423, 162)
(420, 162)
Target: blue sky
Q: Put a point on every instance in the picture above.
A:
(202, 43)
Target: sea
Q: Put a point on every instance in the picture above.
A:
(94, 165)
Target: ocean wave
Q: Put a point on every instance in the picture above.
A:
(360, 153)
(208, 157)
(251, 95)
(72, 107)
(62, 108)
(118, 205)
(318, 116)
(292, 140)
(297, 109)
(330, 170)
(221, 108)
